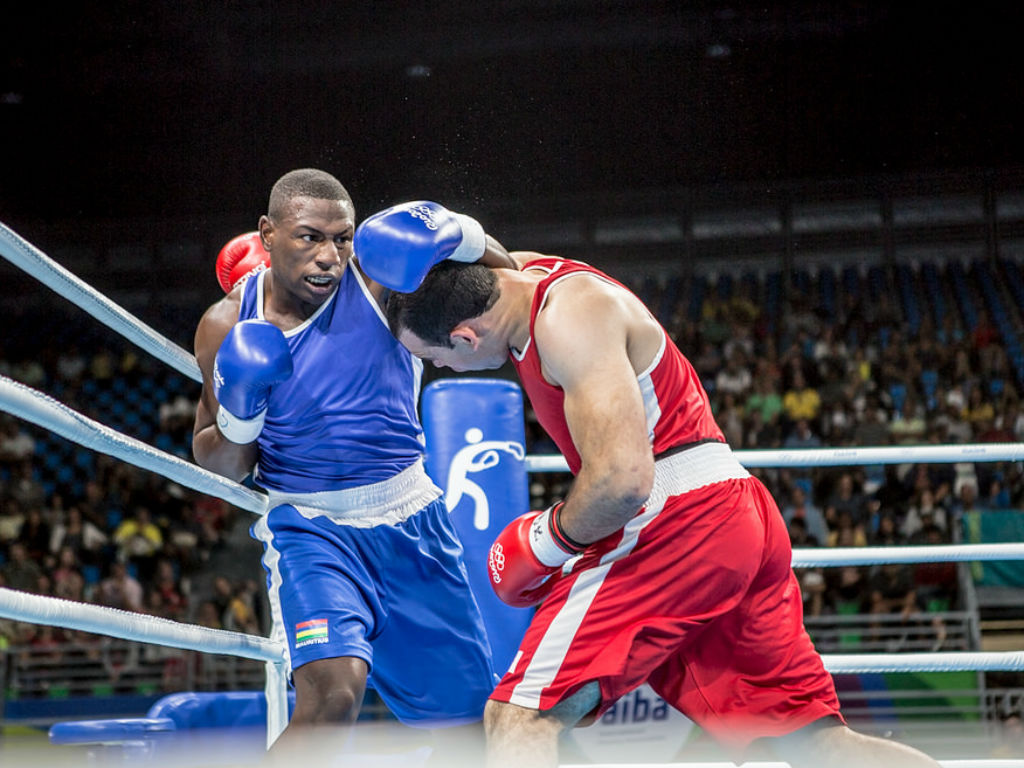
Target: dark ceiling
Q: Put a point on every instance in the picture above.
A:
(150, 108)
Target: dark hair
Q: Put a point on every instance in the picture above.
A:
(451, 293)
(304, 182)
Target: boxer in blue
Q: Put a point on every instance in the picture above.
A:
(305, 387)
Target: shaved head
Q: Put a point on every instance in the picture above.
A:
(305, 182)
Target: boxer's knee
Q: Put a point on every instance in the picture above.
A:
(329, 691)
(504, 718)
(518, 736)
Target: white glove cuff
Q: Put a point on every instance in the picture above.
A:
(241, 431)
(474, 241)
(543, 545)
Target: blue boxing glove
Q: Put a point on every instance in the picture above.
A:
(253, 357)
(396, 247)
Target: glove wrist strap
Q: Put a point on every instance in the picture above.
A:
(240, 431)
(474, 242)
(548, 543)
(562, 539)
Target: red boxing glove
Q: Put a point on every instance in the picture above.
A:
(241, 258)
(526, 555)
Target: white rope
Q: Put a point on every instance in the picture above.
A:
(53, 611)
(937, 553)
(983, 763)
(839, 457)
(971, 661)
(23, 254)
(40, 409)
(900, 454)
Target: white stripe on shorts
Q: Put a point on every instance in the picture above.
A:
(551, 651)
(674, 475)
(271, 558)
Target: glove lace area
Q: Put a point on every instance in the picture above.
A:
(240, 431)
(549, 541)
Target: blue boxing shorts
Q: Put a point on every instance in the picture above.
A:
(378, 580)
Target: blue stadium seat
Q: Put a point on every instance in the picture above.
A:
(908, 297)
(827, 290)
(65, 474)
(933, 289)
(957, 276)
(91, 573)
(929, 385)
(697, 292)
(898, 393)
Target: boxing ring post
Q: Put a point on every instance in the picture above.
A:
(476, 443)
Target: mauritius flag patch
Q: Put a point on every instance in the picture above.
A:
(310, 632)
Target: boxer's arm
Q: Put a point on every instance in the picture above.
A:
(582, 341)
(495, 256)
(211, 449)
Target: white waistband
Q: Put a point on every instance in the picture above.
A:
(694, 468)
(385, 503)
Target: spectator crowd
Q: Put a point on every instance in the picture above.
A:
(123, 537)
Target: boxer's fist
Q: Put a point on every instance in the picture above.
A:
(253, 357)
(396, 247)
(239, 259)
(525, 557)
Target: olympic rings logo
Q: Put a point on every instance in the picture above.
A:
(424, 214)
(496, 562)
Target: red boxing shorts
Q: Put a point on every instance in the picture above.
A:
(696, 596)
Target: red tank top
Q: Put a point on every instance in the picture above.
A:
(677, 407)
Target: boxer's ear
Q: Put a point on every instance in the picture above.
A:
(464, 335)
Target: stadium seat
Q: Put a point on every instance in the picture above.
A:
(898, 393)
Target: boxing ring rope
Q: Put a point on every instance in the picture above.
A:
(84, 617)
(113, 622)
(994, 763)
(44, 411)
(930, 553)
(841, 457)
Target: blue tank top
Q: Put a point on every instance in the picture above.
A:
(347, 415)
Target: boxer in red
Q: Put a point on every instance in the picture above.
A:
(667, 563)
